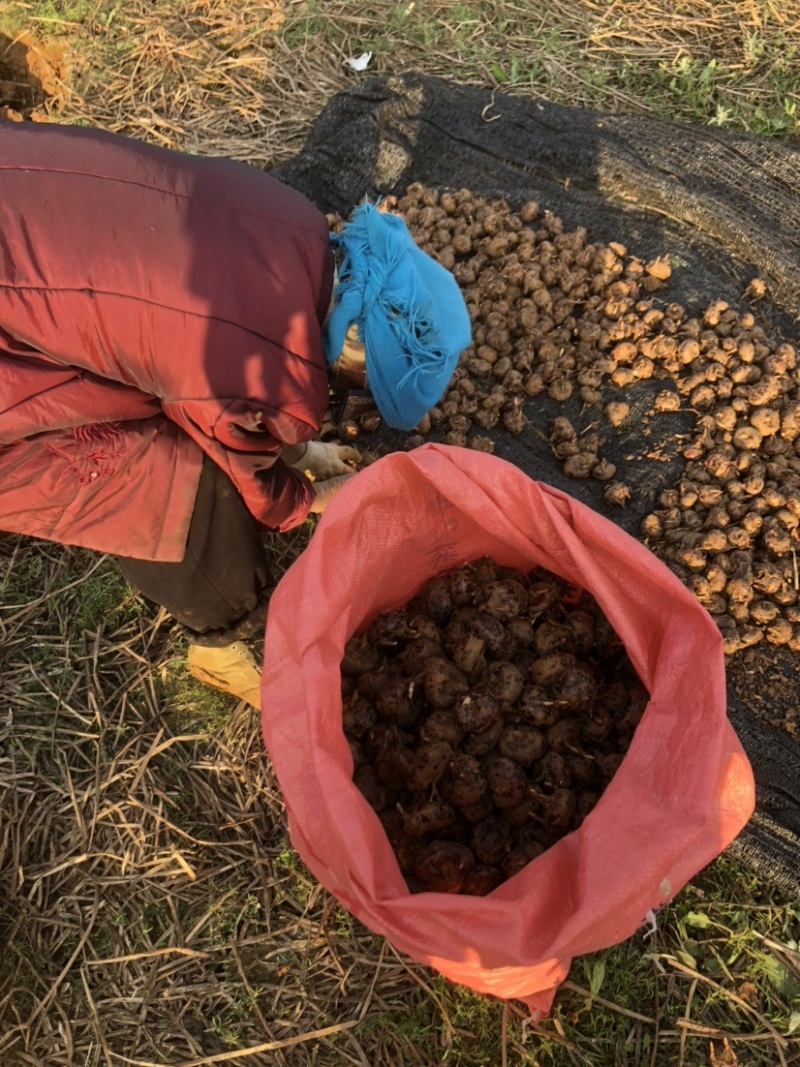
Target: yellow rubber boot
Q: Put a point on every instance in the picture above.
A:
(232, 669)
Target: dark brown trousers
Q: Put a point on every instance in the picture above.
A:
(219, 591)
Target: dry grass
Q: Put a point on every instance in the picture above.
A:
(205, 76)
(153, 909)
(246, 78)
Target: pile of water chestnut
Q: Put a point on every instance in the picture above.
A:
(554, 313)
(485, 720)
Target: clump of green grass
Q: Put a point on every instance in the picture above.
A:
(723, 964)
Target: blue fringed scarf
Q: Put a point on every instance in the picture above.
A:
(409, 312)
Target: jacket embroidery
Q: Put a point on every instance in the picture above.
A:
(93, 451)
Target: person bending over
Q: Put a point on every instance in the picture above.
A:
(173, 331)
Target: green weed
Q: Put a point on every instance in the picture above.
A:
(50, 17)
(155, 921)
(714, 91)
(230, 1022)
(194, 706)
(779, 123)
(232, 915)
(716, 927)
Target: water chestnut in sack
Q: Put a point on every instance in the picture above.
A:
(492, 698)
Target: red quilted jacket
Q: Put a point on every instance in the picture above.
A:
(155, 307)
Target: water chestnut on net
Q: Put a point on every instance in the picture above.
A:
(556, 310)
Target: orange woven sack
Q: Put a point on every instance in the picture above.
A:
(684, 789)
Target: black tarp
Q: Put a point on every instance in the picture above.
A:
(724, 205)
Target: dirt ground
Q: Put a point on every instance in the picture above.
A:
(769, 687)
(32, 73)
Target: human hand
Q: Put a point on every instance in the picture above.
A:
(324, 460)
(325, 491)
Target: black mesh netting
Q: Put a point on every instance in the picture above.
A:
(725, 207)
